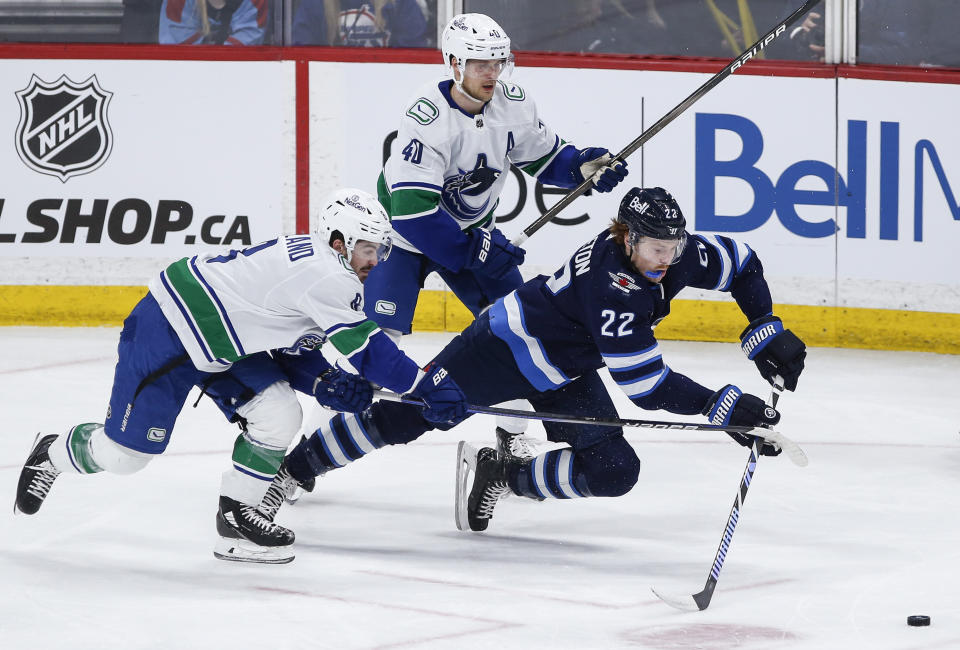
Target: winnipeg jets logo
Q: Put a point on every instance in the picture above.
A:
(623, 282)
(473, 183)
(63, 128)
(358, 28)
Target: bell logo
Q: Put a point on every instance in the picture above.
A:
(63, 128)
(635, 204)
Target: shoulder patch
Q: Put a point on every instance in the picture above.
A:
(623, 281)
(423, 111)
(512, 91)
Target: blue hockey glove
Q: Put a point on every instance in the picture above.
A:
(492, 254)
(776, 351)
(594, 162)
(343, 391)
(446, 403)
(731, 406)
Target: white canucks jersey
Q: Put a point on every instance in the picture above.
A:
(288, 293)
(444, 156)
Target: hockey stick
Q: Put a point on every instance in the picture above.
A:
(790, 448)
(710, 83)
(700, 601)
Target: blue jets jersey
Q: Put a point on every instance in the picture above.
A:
(597, 310)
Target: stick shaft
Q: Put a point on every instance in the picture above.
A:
(557, 417)
(746, 56)
(703, 598)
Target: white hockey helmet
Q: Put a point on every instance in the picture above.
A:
(474, 36)
(356, 215)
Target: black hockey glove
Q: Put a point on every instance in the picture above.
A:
(343, 391)
(492, 254)
(446, 403)
(776, 351)
(594, 162)
(731, 406)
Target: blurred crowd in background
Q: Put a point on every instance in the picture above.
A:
(892, 32)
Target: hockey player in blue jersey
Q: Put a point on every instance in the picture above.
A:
(546, 341)
(445, 173)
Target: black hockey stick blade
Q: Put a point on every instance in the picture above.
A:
(701, 600)
(744, 57)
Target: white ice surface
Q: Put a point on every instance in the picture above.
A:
(835, 555)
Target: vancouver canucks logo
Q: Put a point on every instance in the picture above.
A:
(306, 343)
(458, 189)
(63, 128)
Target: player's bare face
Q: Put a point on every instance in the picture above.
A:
(366, 255)
(652, 257)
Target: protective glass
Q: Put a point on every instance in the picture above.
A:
(658, 251)
(489, 69)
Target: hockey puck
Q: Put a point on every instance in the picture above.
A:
(918, 620)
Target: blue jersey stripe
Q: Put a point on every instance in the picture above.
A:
(507, 323)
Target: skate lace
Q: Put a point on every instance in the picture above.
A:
(256, 518)
(520, 446)
(273, 499)
(42, 481)
(491, 495)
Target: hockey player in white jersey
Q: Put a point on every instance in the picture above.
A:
(446, 170)
(209, 321)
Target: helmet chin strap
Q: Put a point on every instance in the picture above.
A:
(459, 85)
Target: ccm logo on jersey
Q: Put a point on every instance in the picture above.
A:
(623, 281)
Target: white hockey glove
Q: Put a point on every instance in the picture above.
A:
(594, 163)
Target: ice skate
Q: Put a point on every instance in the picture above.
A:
(475, 502)
(246, 535)
(36, 477)
(514, 446)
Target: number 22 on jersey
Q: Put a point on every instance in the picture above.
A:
(613, 320)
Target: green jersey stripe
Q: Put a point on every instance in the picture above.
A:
(534, 168)
(348, 341)
(383, 195)
(413, 201)
(201, 308)
(256, 460)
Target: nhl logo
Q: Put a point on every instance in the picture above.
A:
(63, 128)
